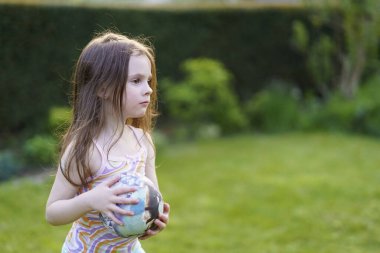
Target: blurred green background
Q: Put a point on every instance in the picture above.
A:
(269, 128)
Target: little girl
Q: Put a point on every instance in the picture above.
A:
(114, 103)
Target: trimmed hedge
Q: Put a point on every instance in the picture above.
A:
(40, 44)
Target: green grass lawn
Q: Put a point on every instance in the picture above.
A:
(281, 193)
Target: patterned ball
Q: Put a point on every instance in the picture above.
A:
(146, 211)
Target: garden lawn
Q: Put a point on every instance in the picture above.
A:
(281, 193)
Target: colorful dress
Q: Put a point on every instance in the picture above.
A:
(88, 234)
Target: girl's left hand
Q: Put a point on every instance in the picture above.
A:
(160, 223)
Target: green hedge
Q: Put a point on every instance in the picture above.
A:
(39, 46)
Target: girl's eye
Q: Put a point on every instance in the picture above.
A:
(135, 81)
(150, 82)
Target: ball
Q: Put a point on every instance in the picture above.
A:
(146, 211)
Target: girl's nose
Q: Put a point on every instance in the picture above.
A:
(148, 90)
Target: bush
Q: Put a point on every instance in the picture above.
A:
(274, 109)
(9, 165)
(337, 114)
(40, 151)
(368, 107)
(310, 107)
(371, 121)
(59, 120)
(204, 97)
(361, 114)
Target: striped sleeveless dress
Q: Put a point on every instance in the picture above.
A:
(88, 234)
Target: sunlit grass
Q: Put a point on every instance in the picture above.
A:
(284, 193)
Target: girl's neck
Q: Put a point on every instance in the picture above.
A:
(118, 140)
(113, 125)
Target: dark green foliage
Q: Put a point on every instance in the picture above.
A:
(40, 151)
(280, 108)
(39, 46)
(361, 114)
(274, 109)
(337, 114)
(367, 107)
(59, 120)
(204, 96)
(346, 47)
(9, 165)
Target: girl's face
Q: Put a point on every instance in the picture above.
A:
(138, 90)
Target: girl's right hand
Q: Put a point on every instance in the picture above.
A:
(104, 199)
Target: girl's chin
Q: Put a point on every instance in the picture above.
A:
(136, 115)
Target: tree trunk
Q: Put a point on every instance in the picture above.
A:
(352, 70)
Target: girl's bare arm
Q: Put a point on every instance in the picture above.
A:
(150, 171)
(150, 167)
(65, 206)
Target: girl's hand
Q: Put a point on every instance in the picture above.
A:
(104, 199)
(160, 223)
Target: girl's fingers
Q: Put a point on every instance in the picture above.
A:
(123, 190)
(164, 218)
(126, 201)
(148, 234)
(160, 224)
(113, 218)
(121, 211)
(166, 208)
(112, 181)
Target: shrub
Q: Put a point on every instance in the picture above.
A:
(274, 109)
(337, 114)
(368, 107)
(9, 164)
(361, 114)
(371, 121)
(40, 150)
(204, 96)
(310, 107)
(59, 120)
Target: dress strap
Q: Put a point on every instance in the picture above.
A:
(135, 133)
(103, 157)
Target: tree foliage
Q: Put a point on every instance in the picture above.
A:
(346, 46)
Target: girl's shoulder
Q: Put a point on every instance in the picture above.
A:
(135, 130)
(144, 139)
(140, 135)
(95, 158)
(69, 162)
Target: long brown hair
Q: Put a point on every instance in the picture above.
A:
(102, 65)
